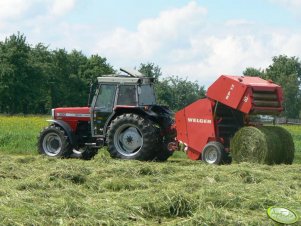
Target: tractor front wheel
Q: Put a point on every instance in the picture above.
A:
(53, 142)
(132, 136)
(213, 153)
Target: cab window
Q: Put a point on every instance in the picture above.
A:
(127, 95)
(106, 97)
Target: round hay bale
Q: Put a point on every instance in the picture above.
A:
(288, 146)
(266, 144)
(248, 145)
(274, 145)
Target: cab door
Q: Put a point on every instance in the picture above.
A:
(102, 107)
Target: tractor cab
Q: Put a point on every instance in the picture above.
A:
(116, 92)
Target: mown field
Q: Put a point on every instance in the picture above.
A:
(37, 190)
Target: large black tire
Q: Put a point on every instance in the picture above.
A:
(132, 136)
(213, 153)
(163, 154)
(54, 142)
(89, 153)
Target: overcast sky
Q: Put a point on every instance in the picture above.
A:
(197, 39)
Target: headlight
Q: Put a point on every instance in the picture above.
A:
(52, 113)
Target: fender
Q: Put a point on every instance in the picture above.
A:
(66, 127)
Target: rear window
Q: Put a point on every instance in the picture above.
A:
(127, 95)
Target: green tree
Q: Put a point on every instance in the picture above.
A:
(286, 71)
(250, 71)
(150, 70)
(36, 79)
(172, 91)
(73, 74)
(41, 59)
(15, 74)
(177, 92)
(96, 66)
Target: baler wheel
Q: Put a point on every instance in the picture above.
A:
(131, 136)
(54, 142)
(213, 153)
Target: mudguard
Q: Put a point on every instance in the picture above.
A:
(66, 127)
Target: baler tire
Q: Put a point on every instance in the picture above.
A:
(213, 153)
(53, 142)
(131, 136)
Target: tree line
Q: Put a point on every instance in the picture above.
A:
(35, 79)
(285, 71)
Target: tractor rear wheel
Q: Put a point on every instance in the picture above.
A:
(213, 153)
(132, 136)
(54, 142)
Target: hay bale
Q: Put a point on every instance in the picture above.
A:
(288, 147)
(269, 145)
(248, 145)
(274, 144)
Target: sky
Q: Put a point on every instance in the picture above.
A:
(194, 39)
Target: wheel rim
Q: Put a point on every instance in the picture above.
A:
(128, 140)
(211, 155)
(52, 144)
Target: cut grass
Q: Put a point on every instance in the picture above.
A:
(40, 190)
(37, 190)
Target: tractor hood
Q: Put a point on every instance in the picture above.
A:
(71, 113)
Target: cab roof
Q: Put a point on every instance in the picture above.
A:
(125, 79)
(131, 77)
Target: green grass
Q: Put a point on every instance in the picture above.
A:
(37, 190)
(295, 130)
(18, 134)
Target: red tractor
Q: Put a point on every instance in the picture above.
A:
(123, 115)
